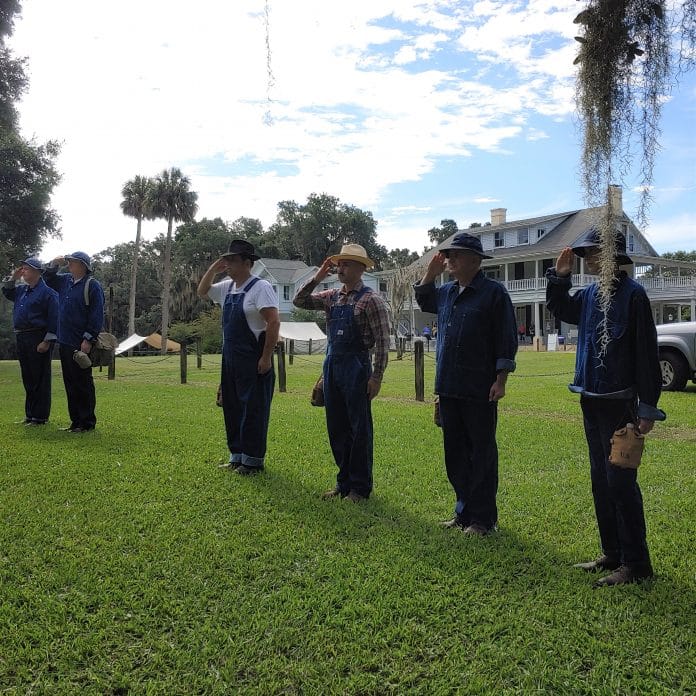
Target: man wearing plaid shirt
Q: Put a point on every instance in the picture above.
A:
(357, 322)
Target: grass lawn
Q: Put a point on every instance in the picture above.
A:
(129, 563)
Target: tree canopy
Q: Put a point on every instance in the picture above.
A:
(27, 169)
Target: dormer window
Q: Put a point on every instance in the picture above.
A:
(540, 232)
(499, 239)
(523, 236)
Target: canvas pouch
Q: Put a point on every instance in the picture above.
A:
(627, 447)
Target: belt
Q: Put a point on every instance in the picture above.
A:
(36, 328)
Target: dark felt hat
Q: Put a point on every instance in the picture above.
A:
(592, 238)
(240, 247)
(463, 241)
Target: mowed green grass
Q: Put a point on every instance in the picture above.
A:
(129, 563)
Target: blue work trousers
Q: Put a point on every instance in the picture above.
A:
(349, 420)
(471, 458)
(617, 498)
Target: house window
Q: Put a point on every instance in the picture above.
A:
(631, 243)
(499, 239)
(286, 292)
(624, 228)
(523, 236)
(325, 286)
(540, 232)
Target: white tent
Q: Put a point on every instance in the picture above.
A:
(303, 334)
(153, 340)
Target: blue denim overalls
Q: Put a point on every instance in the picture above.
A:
(246, 395)
(347, 369)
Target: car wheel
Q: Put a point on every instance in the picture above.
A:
(674, 371)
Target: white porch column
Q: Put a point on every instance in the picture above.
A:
(693, 310)
(537, 319)
(506, 274)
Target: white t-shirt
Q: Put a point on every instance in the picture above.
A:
(260, 296)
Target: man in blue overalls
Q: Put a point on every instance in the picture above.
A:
(357, 321)
(250, 325)
(79, 324)
(35, 318)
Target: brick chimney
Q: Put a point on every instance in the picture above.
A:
(616, 198)
(498, 216)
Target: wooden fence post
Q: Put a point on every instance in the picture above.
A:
(291, 354)
(184, 364)
(282, 379)
(112, 369)
(310, 346)
(420, 370)
(199, 352)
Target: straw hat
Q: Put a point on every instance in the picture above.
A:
(353, 252)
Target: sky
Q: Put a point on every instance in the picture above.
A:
(416, 111)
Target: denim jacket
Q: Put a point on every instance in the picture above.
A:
(629, 368)
(476, 335)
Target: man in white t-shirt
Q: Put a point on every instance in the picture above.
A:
(250, 326)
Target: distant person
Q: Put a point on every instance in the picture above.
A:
(357, 321)
(427, 334)
(35, 319)
(618, 384)
(522, 330)
(250, 328)
(475, 352)
(79, 324)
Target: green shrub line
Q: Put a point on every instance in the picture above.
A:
(131, 564)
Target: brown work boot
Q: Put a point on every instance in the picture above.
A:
(476, 529)
(625, 575)
(601, 563)
(454, 523)
(331, 493)
(354, 497)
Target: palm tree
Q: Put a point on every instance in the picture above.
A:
(171, 199)
(135, 204)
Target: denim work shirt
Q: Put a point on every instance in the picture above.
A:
(34, 308)
(476, 335)
(76, 320)
(629, 367)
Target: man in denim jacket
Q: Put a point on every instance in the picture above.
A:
(476, 348)
(618, 384)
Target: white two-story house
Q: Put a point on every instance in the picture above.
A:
(522, 250)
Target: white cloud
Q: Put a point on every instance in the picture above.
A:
(364, 95)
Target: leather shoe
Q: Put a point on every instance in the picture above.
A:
(331, 493)
(454, 523)
(354, 497)
(625, 575)
(81, 429)
(601, 563)
(476, 529)
(244, 470)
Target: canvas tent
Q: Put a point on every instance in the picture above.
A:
(153, 340)
(301, 333)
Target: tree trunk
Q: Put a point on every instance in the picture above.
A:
(133, 281)
(166, 283)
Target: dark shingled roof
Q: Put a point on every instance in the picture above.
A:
(285, 271)
(572, 225)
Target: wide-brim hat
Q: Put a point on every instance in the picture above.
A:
(81, 257)
(592, 238)
(240, 247)
(353, 252)
(463, 241)
(33, 262)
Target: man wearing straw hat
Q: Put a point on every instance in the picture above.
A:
(250, 326)
(475, 350)
(357, 322)
(35, 317)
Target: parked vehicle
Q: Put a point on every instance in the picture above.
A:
(677, 348)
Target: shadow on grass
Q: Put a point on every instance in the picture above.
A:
(504, 563)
